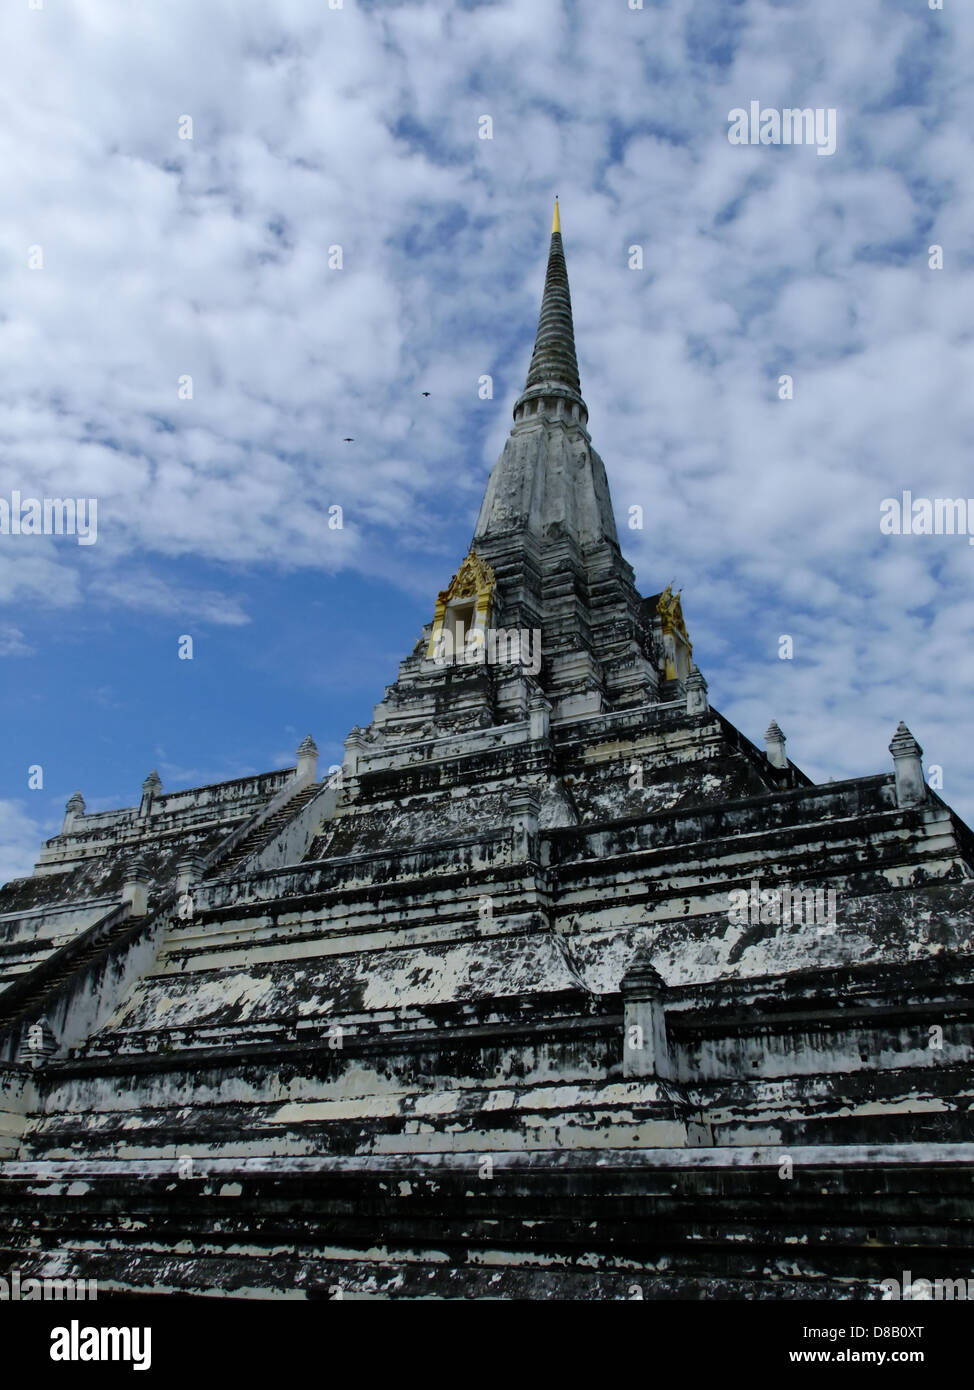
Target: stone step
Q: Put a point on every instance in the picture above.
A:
(436, 1120)
(710, 869)
(447, 915)
(662, 879)
(408, 1275)
(714, 1220)
(277, 1037)
(914, 1106)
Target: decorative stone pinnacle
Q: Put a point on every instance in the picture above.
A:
(153, 783)
(911, 788)
(526, 800)
(775, 741)
(696, 692)
(903, 744)
(135, 887)
(642, 974)
(307, 759)
(73, 810)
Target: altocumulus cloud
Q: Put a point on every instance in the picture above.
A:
(20, 837)
(315, 128)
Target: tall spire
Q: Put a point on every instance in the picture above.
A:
(554, 366)
(546, 538)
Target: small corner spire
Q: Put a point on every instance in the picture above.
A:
(307, 767)
(775, 741)
(911, 787)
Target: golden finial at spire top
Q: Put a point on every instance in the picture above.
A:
(556, 220)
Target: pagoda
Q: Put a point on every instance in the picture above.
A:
(559, 987)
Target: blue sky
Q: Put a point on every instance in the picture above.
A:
(358, 127)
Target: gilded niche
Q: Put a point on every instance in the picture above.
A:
(466, 601)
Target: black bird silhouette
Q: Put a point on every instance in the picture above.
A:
(425, 393)
(348, 441)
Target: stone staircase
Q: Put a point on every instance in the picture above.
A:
(34, 993)
(30, 935)
(262, 833)
(26, 996)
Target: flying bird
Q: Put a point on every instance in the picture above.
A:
(425, 393)
(348, 441)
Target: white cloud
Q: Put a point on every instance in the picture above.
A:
(13, 642)
(20, 841)
(358, 127)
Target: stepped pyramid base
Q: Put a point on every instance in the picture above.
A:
(558, 988)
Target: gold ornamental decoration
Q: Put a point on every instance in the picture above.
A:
(474, 579)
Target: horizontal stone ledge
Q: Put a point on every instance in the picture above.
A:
(475, 743)
(291, 947)
(806, 987)
(613, 720)
(420, 1271)
(521, 877)
(47, 909)
(751, 846)
(233, 1055)
(431, 848)
(685, 1027)
(761, 803)
(492, 1009)
(922, 1157)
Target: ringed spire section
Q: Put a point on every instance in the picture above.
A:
(553, 372)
